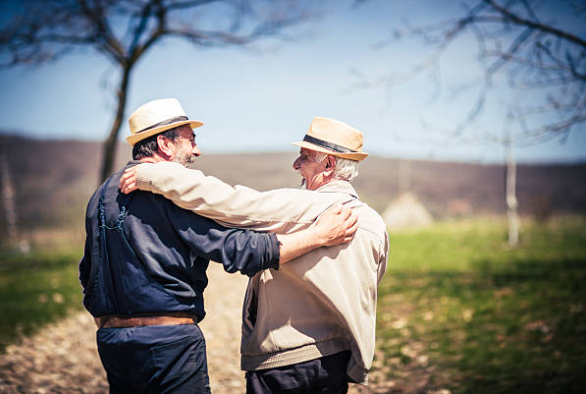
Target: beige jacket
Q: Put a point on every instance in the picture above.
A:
(322, 303)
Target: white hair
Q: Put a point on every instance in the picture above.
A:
(345, 170)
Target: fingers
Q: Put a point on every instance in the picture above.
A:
(336, 209)
(352, 230)
(352, 217)
(128, 181)
(128, 174)
(128, 188)
(344, 211)
(338, 224)
(347, 228)
(339, 209)
(354, 226)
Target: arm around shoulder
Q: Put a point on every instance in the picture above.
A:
(279, 210)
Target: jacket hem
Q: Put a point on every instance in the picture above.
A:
(293, 356)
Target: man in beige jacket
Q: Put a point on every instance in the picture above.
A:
(309, 327)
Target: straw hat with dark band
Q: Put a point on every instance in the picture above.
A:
(155, 117)
(334, 138)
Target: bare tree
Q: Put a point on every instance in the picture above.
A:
(540, 62)
(124, 30)
(544, 64)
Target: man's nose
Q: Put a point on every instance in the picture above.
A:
(296, 164)
(196, 150)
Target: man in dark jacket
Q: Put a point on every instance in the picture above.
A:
(145, 260)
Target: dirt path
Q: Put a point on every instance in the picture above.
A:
(62, 358)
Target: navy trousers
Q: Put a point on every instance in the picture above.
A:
(325, 375)
(154, 359)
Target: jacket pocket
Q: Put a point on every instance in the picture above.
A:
(181, 365)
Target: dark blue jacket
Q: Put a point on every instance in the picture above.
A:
(144, 254)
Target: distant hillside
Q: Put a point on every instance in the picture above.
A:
(54, 179)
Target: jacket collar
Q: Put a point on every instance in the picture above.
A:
(337, 186)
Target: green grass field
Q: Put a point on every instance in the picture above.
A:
(458, 310)
(36, 289)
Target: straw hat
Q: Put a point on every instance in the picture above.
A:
(334, 138)
(155, 117)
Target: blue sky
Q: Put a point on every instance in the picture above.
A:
(264, 97)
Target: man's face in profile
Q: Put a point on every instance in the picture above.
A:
(187, 150)
(309, 168)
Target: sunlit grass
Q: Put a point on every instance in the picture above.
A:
(478, 317)
(458, 309)
(36, 289)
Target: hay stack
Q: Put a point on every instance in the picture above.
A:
(406, 212)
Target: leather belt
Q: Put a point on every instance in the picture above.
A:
(169, 319)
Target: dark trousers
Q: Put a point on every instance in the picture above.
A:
(154, 359)
(323, 375)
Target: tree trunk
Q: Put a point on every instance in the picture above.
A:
(511, 197)
(110, 145)
(9, 200)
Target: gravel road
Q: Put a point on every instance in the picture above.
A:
(62, 358)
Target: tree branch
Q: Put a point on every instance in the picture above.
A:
(536, 25)
(43, 31)
(103, 33)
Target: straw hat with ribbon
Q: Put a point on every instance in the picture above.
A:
(155, 117)
(334, 138)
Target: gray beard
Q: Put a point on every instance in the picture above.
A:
(186, 160)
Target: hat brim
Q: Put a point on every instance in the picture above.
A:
(358, 156)
(134, 138)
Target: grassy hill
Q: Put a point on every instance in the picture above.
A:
(53, 180)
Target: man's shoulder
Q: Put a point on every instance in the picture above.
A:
(145, 203)
(369, 219)
(109, 189)
(95, 197)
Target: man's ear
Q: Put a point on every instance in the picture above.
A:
(330, 164)
(165, 145)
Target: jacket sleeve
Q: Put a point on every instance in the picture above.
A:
(84, 267)
(246, 251)
(91, 250)
(275, 210)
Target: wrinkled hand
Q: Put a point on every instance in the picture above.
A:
(128, 181)
(337, 225)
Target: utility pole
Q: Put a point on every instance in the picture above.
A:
(511, 186)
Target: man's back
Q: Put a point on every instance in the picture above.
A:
(323, 304)
(148, 255)
(143, 274)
